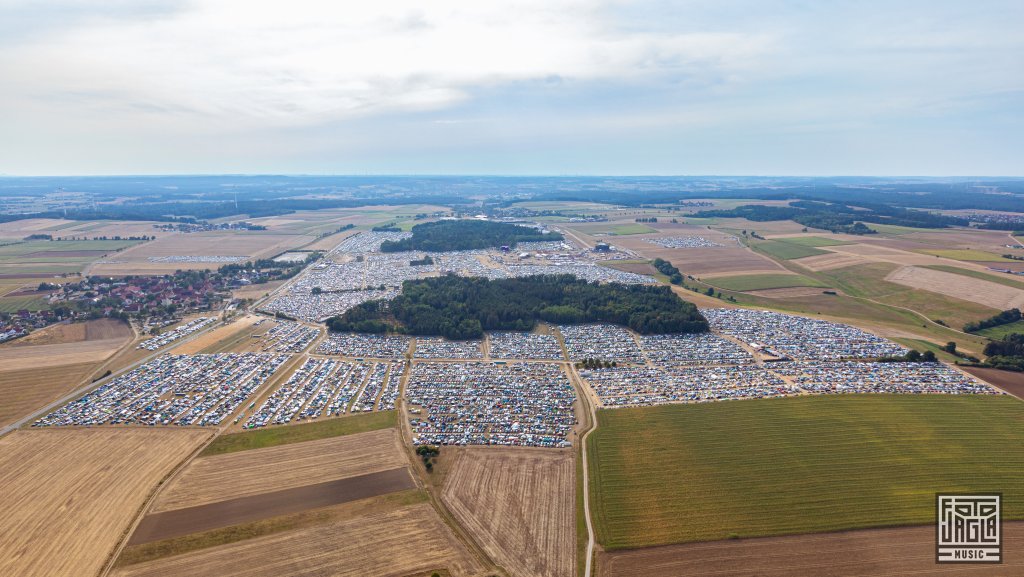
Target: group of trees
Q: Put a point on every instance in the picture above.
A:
(1006, 353)
(463, 308)
(647, 219)
(912, 356)
(666, 268)
(445, 235)
(1004, 318)
(422, 261)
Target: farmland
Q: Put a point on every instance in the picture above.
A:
(870, 553)
(763, 281)
(786, 250)
(272, 437)
(521, 505)
(967, 254)
(395, 543)
(681, 473)
(232, 475)
(53, 361)
(96, 480)
(996, 333)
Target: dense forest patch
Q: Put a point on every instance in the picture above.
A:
(446, 235)
(463, 308)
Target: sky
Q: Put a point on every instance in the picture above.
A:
(559, 87)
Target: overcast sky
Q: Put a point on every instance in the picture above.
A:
(817, 87)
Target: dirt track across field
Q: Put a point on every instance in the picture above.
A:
(871, 553)
(244, 509)
(1008, 381)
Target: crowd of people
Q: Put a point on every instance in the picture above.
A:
(177, 333)
(172, 389)
(523, 404)
(519, 345)
(800, 338)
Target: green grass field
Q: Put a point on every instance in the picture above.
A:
(996, 333)
(680, 473)
(627, 229)
(14, 304)
(269, 437)
(812, 241)
(786, 250)
(967, 254)
(750, 282)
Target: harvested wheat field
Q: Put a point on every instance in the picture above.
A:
(95, 330)
(15, 358)
(830, 261)
(520, 505)
(959, 286)
(872, 553)
(220, 477)
(26, 390)
(70, 495)
(399, 543)
(33, 375)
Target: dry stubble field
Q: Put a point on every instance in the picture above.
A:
(396, 543)
(32, 375)
(220, 477)
(520, 505)
(983, 292)
(69, 495)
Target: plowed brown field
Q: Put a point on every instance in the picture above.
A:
(69, 495)
(872, 553)
(220, 477)
(520, 505)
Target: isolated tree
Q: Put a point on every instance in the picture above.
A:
(950, 347)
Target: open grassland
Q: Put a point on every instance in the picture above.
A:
(870, 553)
(967, 254)
(996, 333)
(786, 250)
(680, 473)
(520, 505)
(394, 543)
(749, 282)
(868, 281)
(13, 304)
(232, 475)
(269, 437)
(627, 229)
(812, 241)
(69, 495)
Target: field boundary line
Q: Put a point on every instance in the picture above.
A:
(588, 563)
(153, 494)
